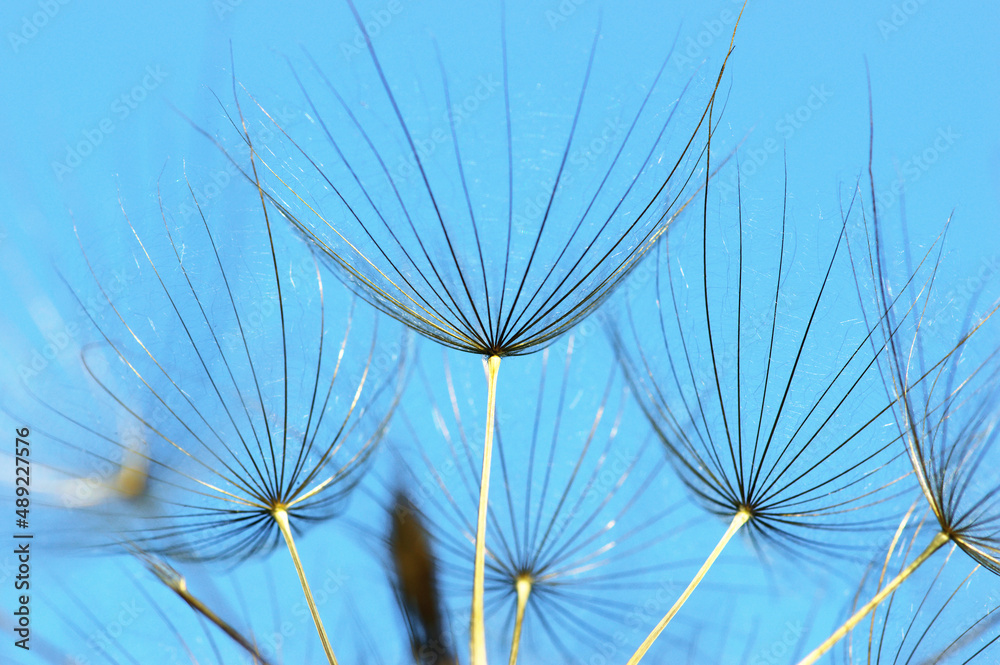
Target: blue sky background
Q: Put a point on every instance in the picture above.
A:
(108, 80)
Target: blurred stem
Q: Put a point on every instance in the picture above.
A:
(179, 586)
(477, 631)
(935, 545)
(739, 520)
(281, 517)
(524, 583)
(202, 609)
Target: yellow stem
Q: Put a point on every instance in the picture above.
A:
(935, 545)
(281, 517)
(738, 521)
(477, 630)
(523, 591)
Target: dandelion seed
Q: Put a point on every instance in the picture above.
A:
(927, 623)
(947, 427)
(260, 427)
(573, 521)
(799, 457)
(503, 291)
